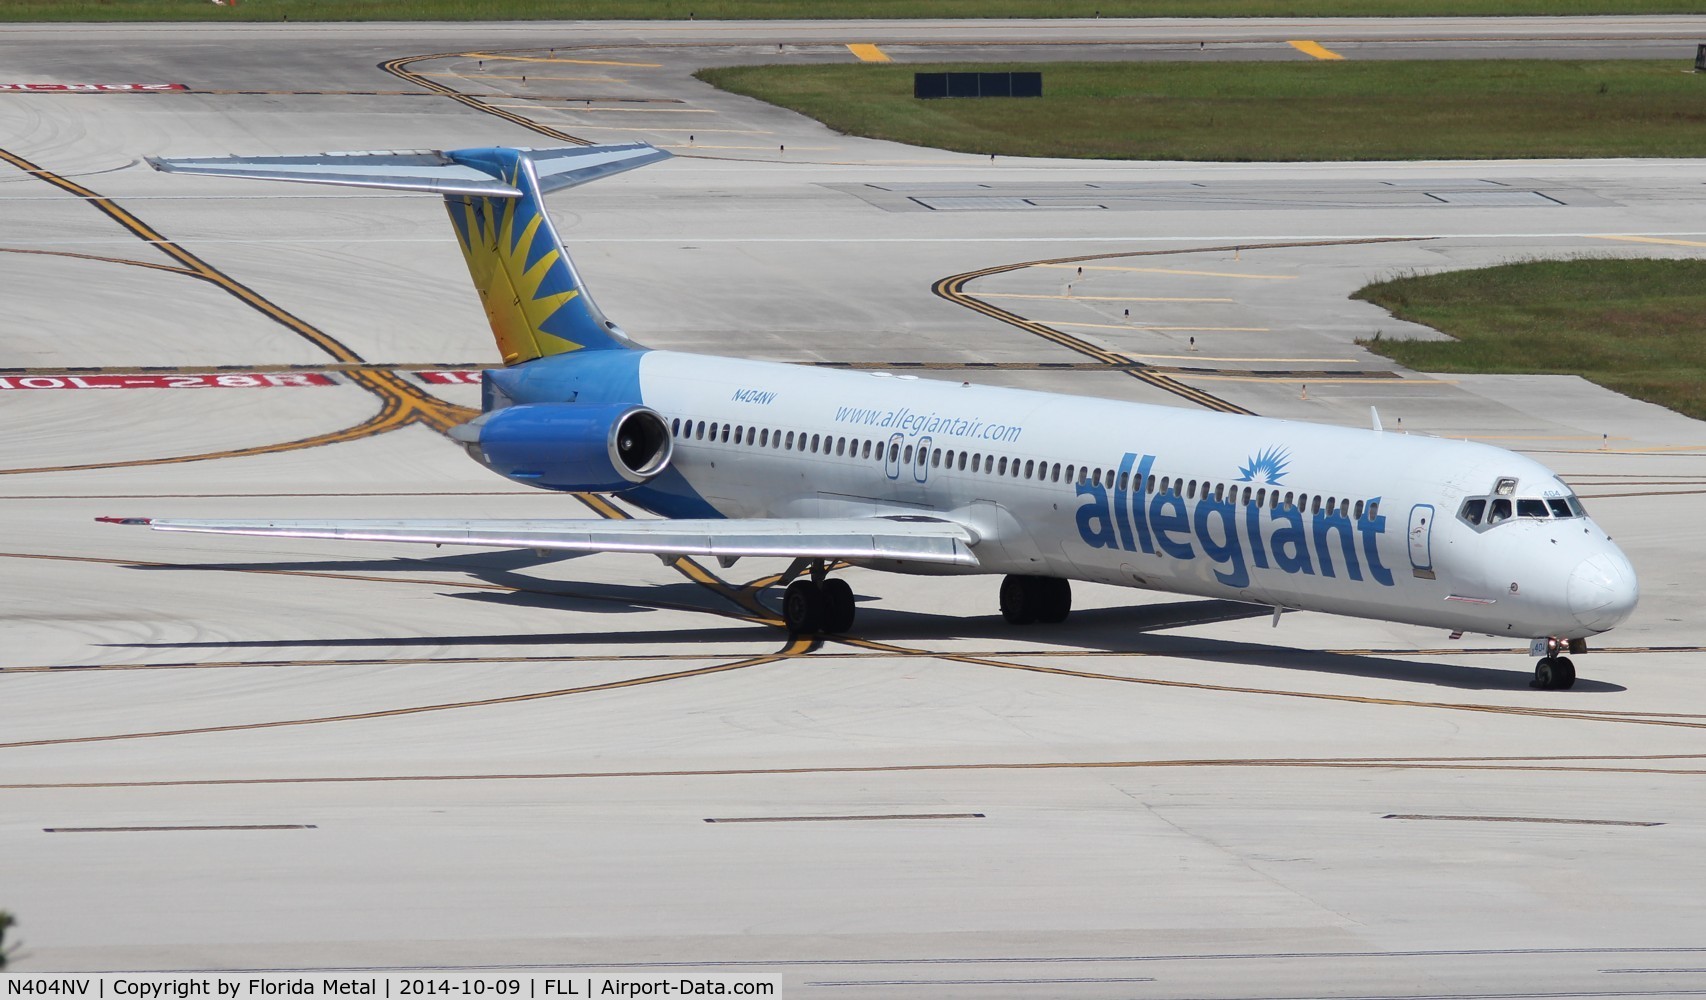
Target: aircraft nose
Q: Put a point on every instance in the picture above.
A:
(1603, 590)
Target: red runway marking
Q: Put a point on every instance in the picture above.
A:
(89, 87)
(258, 380)
(450, 377)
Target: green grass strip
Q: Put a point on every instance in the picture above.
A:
(1634, 326)
(1444, 109)
(513, 10)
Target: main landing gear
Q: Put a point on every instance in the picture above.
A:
(1554, 672)
(818, 604)
(1027, 600)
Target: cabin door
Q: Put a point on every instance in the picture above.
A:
(1421, 540)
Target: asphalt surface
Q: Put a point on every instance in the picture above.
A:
(493, 759)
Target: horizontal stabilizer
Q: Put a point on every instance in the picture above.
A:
(914, 539)
(432, 171)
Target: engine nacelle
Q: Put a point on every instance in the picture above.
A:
(581, 447)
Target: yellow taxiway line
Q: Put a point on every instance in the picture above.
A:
(869, 53)
(1168, 329)
(1174, 270)
(1095, 298)
(1654, 239)
(542, 59)
(1315, 49)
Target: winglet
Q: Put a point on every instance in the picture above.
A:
(125, 520)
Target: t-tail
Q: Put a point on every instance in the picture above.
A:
(534, 299)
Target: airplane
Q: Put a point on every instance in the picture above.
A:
(891, 472)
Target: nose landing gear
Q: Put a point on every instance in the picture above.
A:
(1554, 672)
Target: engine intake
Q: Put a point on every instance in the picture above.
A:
(579, 447)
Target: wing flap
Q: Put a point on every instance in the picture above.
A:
(914, 539)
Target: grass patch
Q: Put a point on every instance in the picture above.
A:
(511, 10)
(1634, 326)
(1268, 111)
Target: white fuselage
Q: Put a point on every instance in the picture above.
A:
(1276, 512)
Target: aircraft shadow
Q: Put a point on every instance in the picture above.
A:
(1134, 629)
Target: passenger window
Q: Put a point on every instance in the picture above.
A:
(1501, 510)
(675, 427)
(907, 455)
(977, 463)
(962, 465)
(1191, 490)
(1559, 507)
(867, 450)
(1246, 496)
(1219, 491)
(1057, 472)
(1108, 479)
(1261, 498)
(894, 451)
(1358, 513)
(740, 432)
(1030, 466)
(1527, 507)
(1125, 480)
(1287, 498)
(699, 431)
(1473, 509)
(1069, 473)
(1317, 502)
(790, 445)
(1373, 509)
(936, 459)
(814, 443)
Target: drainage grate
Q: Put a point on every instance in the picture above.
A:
(1525, 819)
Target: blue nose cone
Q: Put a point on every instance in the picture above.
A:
(1603, 590)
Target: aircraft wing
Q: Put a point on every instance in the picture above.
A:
(914, 538)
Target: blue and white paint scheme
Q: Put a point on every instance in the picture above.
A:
(745, 458)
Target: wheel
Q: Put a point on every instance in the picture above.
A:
(1018, 600)
(1056, 599)
(838, 606)
(802, 607)
(1555, 673)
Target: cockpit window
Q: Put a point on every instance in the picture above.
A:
(1530, 508)
(1559, 507)
(1501, 510)
(1576, 506)
(1473, 509)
